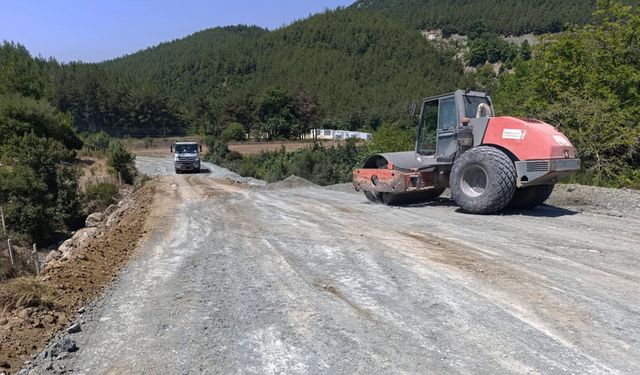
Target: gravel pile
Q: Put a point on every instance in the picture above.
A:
(290, 183)
(612, 202)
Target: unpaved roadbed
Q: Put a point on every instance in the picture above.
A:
(300, 279)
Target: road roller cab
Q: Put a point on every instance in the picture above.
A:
(488, 162)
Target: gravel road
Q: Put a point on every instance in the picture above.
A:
(293, 278)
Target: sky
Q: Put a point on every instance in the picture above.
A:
(98, 30)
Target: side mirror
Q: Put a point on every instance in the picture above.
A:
(171, 148)
(200, 148)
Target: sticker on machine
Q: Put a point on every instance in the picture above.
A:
(518, 134)
(562, 141)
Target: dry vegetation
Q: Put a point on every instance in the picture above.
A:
(93, 171)
(27, 291)
(254, 148)
(160, 147)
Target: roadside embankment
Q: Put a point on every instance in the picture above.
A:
(35, 308)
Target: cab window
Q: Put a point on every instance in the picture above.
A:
(471, 104)
(448, 115)
(428, 128)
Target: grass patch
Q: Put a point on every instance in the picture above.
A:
(27, 292)
(99, 196)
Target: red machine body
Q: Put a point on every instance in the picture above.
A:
(534, 153)
(528, 139)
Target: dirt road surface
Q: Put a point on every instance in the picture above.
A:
(300, 279)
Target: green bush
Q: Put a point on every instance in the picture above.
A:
(246, 166)
(121, 162)
(38, 186)
(234, 132)
(491, 48)
(218, 151)
(20, 116)
(96, 143)
(318, 164)
(323, 166)
(103, 192)
(394, 137)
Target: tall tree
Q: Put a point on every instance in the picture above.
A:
(586, 81)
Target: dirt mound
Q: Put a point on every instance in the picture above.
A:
(612, 202)
(290, 183)
(37, 307)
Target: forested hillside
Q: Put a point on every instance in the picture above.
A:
(362, 66)
(506, 17)
(119, 104)
(352, 68)
(354, 64)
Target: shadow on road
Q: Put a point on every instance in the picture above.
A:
(201, 170)
(540, 211)
(438, 202)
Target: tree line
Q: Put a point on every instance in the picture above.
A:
(38, 183)
(357, 68)
(116, 104)
(472, 18)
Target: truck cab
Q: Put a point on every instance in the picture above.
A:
(443, 121)
(186, 156)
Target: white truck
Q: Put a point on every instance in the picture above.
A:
(186, 156)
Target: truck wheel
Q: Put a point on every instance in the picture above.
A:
(483, 180)
(372, 197)
(530, 197)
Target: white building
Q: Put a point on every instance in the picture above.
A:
(337, 135)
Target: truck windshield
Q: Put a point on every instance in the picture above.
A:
(187, 149)
(471, 104)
